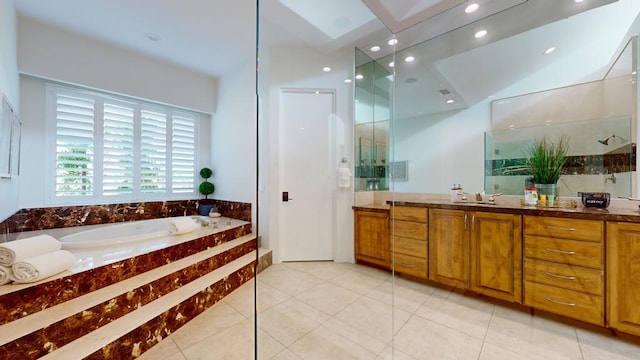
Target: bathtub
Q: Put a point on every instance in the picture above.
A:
(123, 233)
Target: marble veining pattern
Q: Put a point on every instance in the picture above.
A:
(58, 334)
(13, 305)
(136, 342)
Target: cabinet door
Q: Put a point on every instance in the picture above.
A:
(623, 277)
(372, 241)
(496, 255)
(449, 247)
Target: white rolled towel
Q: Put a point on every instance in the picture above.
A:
(182, 226)
(5, 274)
(16, 250)
(42, 266)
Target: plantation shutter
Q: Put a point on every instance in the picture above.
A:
(74, 145)
(153, 152)
(118, 152)
(183, 159)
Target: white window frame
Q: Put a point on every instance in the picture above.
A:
(52, 89)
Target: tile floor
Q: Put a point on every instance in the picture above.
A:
(324, 310)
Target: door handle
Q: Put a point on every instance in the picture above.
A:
(285, 196)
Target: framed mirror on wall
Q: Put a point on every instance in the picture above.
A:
(8, 148)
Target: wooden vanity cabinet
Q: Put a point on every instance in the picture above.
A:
(372, 239)
(409, 230)
(449, 247)
(623, 276)
(564, 267)
(496, 255)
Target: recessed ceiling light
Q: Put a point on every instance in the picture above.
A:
(326, 69)
(152, 36)
(409, 58)
(471, 8)
(392, 42)
(347, 81)
(480, 34)
(550, 50)
(450, 101)
(579, 1)
(375, 48)
(359, 77)
(392, 64)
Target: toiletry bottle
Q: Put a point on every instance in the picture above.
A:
(455, 190)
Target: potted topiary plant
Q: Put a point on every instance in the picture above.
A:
(206, 188)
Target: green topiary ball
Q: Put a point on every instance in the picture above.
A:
(206, 173)
(206, 188)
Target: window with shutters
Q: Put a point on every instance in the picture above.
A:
(113, 148)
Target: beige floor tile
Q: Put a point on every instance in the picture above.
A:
(391, 353)
(329, 297)
(374, 318)
(268, 347)
(525, 334)
(323, 343)
(164, 350)
(493, 352)
(234, 343)
(289, 280)
(354, 335)
(243, 301)
(361, 282)
(602, 345)
(425, 339)
(286, 354)
(384, 275)
(291, 320)
(404, 298)
(216, 319)
(322, 269)
(466, 314)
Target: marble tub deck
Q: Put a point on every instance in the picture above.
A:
(86, 311)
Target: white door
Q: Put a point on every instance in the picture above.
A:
(305, 175)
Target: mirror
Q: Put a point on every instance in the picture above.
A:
(6, 132)
(447, 87)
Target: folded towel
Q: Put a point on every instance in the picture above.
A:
(41, 266)
(17, 250)
(182, 226)
(5, 274)
(344, 177)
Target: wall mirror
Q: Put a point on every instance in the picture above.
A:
(6, 132)
(446, 88)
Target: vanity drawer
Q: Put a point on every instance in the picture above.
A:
(417, 248)
(409, 213)
(576, 229)
(411, 230)
(581, 253)
(574, 304)
(410, 265)
(565, 276)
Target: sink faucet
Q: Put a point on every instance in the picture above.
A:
(611, 178)
(478, 197)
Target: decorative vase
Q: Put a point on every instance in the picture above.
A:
(548, 189)
(204, 209)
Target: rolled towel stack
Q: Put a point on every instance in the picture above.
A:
(42, 266)
(32, 259)
(182, 226)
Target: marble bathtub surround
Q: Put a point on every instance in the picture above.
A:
(73, 327)
(69, 216)
(49, 293)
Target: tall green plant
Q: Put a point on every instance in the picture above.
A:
(546, 160)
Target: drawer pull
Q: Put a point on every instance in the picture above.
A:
(560, 276)
(559, 302)
(561, 251)
(407, 265)
(560, 228)
(408, 247)
(407, 230)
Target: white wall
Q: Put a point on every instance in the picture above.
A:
(9, 86)
(52, 53)
(233, 137)
(301, 68)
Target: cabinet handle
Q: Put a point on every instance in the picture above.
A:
(473, 223)
(560, 228)
(407, 265)
(561, 252)
(560, 276)
(407, 247)
(559, 302)
(465, 222)
(407, 230)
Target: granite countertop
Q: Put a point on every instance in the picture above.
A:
(610, 214)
